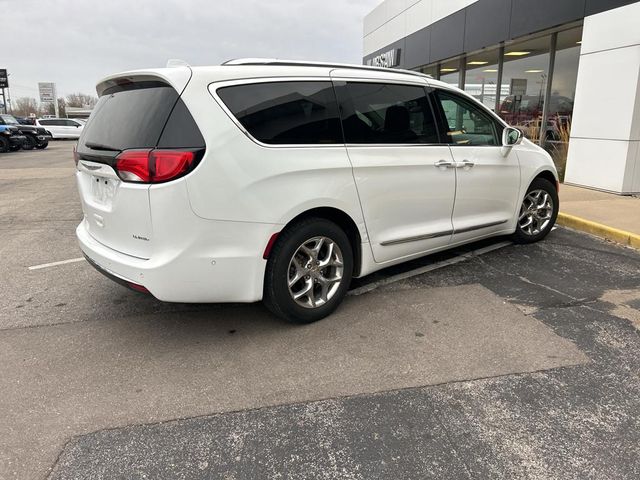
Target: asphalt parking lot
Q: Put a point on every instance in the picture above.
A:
(499, 361)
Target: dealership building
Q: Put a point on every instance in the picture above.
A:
(567, 72)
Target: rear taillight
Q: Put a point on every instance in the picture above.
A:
(154, 166)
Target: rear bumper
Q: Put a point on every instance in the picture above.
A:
(222, 264)
(115, 278)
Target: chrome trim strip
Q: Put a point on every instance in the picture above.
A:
(215, 85)
(416, 238)
(479, 227)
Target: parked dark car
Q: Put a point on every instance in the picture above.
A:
(10, 139)
(25, 120)
(35, 137)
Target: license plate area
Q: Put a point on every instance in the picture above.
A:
(103, 189)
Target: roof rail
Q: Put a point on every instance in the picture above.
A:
(300, 63)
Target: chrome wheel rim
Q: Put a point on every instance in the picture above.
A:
(315, 272)
(536, 212)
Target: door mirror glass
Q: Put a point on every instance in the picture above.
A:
(511, 136)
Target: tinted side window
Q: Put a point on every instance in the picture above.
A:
(386, 113)
(286, 112)
(70, 123)
(45, 122)
(466, 123)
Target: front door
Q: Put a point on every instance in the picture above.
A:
(405, 179)
(488, 175)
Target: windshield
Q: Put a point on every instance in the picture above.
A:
(9, 120)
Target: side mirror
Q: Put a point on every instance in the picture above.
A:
(511, 136)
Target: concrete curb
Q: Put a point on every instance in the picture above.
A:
(619, 236)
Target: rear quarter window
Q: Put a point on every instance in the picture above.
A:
(286, 112)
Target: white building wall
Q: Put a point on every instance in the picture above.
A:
(395, 19)
(604, 150)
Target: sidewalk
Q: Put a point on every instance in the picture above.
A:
(614, 217)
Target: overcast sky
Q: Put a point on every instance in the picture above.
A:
(74, 43)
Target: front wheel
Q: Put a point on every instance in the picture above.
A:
(29, 143)
(4, 145)
(309, 271)
(42, 146)
(538, 212)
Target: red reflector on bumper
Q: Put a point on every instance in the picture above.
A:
(137, 287)
(270, 244)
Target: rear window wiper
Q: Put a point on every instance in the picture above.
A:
(99, 146)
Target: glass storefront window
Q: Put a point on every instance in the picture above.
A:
(563, 85)
(450, 71)
(431, 70)
(525, 75)
(481, 78)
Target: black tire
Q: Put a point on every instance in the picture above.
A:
(15, 148)
(277, 297)
(42, 146)
(4, 145)
(29, 143)
(521, 235)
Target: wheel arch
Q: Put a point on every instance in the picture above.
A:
(344, 221)
(547, 175)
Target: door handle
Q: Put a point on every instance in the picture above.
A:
(465, 164)
(444, 164)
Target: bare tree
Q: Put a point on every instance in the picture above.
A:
(24, 106)
(49, 108)
(81, 100)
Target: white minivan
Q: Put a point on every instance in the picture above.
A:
(280, 181)
(61, 127)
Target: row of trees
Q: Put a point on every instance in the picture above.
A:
(25, 106)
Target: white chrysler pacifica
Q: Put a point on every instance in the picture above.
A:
(280, 181)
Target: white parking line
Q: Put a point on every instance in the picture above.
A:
(54, 264)
(427, 268)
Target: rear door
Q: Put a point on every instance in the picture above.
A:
(488, 176)
(57, 128)
(404, 177)
(129, 116)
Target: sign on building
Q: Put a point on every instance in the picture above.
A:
(518, 86)
(4, 78)
(47, 92)
(388, 59)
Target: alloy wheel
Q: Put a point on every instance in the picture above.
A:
(315, 272)
(536, 212)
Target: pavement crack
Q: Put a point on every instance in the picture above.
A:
(546, 287)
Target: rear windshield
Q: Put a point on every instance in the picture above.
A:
(134, 116)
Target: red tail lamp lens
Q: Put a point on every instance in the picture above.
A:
(153, 166)
(133, 166)
(169, 163)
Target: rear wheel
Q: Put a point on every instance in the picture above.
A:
(42, 146)
(29, 143)
(538, 212)
(309, 271)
